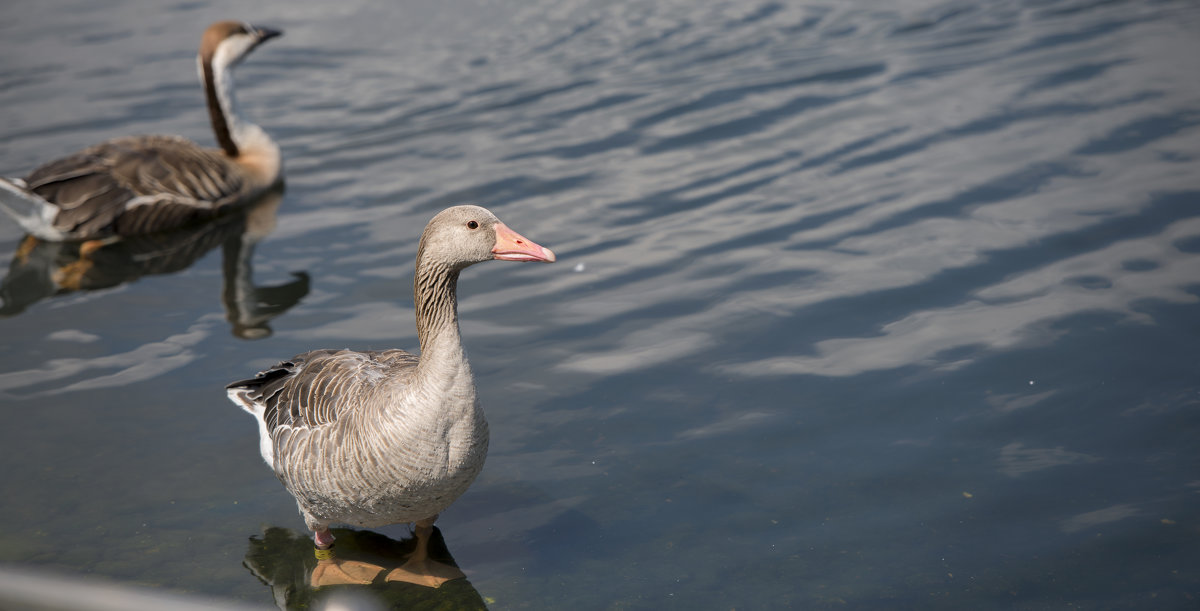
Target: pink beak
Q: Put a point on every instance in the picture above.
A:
(511, 246)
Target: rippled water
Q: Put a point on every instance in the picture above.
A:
(855, 307)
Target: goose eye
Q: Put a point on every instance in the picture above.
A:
(472, 225)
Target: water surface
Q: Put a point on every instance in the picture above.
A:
(855, 307)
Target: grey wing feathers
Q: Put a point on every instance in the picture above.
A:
(318, 387)
(135, 185)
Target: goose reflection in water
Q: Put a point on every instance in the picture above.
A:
(283, 559)
(41, 269)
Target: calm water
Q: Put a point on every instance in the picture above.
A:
(856, 308)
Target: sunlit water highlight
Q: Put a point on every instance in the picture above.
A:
(855, 307)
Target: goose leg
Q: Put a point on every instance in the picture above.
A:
(331, 570)
(419, 568)
(25, 248)
(323, 538)
(71, 275)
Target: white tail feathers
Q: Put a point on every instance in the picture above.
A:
(266, 446)
(34, 214)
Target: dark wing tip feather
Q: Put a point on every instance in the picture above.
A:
(263, 378)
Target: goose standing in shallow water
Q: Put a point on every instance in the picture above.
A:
(387, 437)
(142, 184)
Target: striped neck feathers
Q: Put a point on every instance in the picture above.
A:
(443, 375)
(435, 292)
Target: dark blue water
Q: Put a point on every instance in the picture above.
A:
(856, 307)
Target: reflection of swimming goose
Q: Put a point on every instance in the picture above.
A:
(386, 437)
(141, 184)
(45, 269)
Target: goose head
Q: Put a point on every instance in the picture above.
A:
(465, 235)
(225, 43)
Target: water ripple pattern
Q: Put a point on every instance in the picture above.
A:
(857, 305)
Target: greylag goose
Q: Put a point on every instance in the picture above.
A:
(142, 184)
(387, 437)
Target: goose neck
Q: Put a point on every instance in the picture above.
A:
(234, 134)
(222, 109)
(436, 303)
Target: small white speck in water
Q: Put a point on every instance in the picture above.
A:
(1031, 382)
(580, 267)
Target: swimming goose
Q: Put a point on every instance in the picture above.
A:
(142, 184)
(387, 437)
